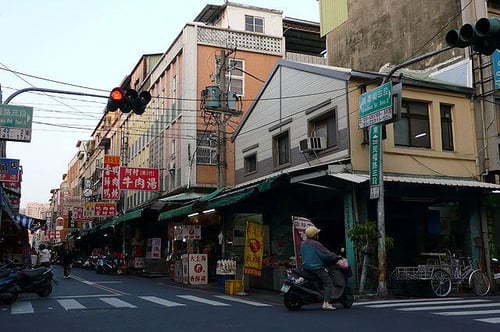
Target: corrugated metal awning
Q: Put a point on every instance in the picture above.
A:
(452, 182)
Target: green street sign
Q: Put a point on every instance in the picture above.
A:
(375, 106)
(375, 158)
(15, 123)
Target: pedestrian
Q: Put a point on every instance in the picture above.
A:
(315, 257)
(67, 259)
(43, 257)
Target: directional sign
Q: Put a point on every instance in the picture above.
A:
(375, 106)
(15, 123)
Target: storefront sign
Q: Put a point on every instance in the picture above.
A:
(187, 232)
(99, 209)
(77, 214)
(375, 160)
(254, 248)
(198, 269)
(9, 170)
(154, 248)
(110, 180)
(144, 179)
(299, 225)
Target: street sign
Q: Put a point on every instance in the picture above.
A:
(375, 159)
(15, 123)
(375, 106)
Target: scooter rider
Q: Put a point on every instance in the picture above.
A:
(314, 257)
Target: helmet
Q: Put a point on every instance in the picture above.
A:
(311, 231)
(42, 246)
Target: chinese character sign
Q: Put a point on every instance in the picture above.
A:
(110, 179)
(299, 225)
(198, 269)
(145, 179)
(9, 170)
(254, 249)
(99, 209)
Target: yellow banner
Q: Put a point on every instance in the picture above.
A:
(254, 249)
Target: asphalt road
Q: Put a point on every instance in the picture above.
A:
(92, 302)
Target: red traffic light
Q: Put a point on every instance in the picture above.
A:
(115, 100)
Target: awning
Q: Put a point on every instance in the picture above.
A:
(183, 210)
(136, 214)
(438, 181)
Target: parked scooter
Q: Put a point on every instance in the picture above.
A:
(495, 268)
(108, 265)
(302, 287)
(8, 290)
(38, 280)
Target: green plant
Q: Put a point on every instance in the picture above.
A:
(365, 238)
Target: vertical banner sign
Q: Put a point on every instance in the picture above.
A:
(496, 69)
(254, 240)
(144, 179)
(198, 269)
(110, 179)
(299, 225)
(375, 142)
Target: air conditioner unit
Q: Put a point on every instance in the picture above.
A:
(312, 144)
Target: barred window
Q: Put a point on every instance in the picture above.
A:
(207, 148)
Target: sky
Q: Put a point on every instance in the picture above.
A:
(84, 46)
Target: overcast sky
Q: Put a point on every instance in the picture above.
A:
(93, 44)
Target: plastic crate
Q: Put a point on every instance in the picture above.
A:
(233, 286)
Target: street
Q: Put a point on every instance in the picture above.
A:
(92, 302)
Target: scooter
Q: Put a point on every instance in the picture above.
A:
(108, 265)
(8, 290)
(38, 280)
(302, 287)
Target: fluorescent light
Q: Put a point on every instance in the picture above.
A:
(495, 192)
(209, 211)
(420, 135)
(193, 214)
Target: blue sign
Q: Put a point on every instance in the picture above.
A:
(9, 170)
(496, 69)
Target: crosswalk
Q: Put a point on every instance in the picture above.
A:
(479, 309)
(28, 306)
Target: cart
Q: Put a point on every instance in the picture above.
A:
(444, 271)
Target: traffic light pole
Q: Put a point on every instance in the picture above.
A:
(382, 254)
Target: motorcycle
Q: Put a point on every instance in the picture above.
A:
(302, 287)
(108, 265)
(495, 268)
(37, 280)
(8, 290)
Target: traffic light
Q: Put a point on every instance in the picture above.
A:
(484, 36)
(128, 100)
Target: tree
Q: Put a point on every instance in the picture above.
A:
(365, 235)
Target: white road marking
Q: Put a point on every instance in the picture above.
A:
(21, 307)
(71, 304)
(494, 320)
(405, 304)
(160, 301)
(202, 300)
(363, 303)
(468, 312)
(445, 307)
(236, 299)
(117, 303)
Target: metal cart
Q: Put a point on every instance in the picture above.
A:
(444, 270)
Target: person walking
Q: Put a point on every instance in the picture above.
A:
(44, 256)
(67, 259)
(314, 259)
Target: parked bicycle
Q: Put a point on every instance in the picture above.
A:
(445, 270)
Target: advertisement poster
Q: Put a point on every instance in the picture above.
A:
(187, 232)
(9, 170)
(299, 225)
(198, 269)
(110, 180)
(254, 249)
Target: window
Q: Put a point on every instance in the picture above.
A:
(250, 163)
(207, 148)
(446, 128)
(254, 24)
(234, 75)
(325, 125)
(281, 149)
(413, 127)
